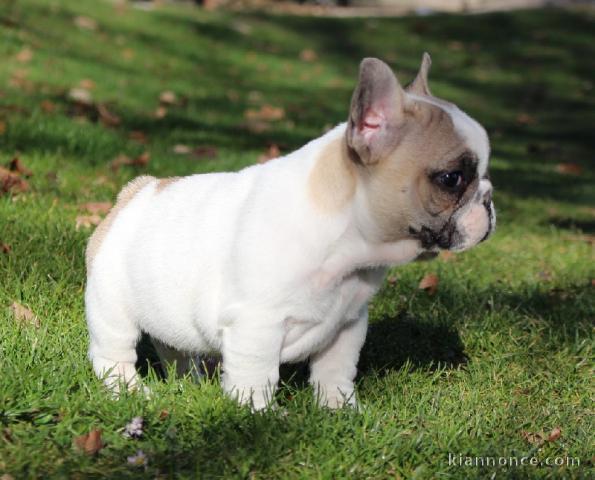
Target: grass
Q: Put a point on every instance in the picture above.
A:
(501, 351)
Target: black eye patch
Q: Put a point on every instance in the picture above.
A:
(460, 172)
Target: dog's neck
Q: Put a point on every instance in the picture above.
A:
(335, 189)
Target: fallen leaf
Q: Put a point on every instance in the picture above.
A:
(160, 112)
(87, 84)
(206, 151)
(271, 152)
(89, 443)
(138, 136)
(267, 113)
(181, 149)
(87, 221)
(392, 279)
(554, 435)
(25, 55)
(128, 54)
(81, 96)
(47, 106)
(5, 248)
(525, 119)
(100, 208)
(2, 127)
(6, 476)
(11, 182)
(429, 283)
(447, 255)
(24, 315)
(308, 55)
(532, 438)
(108, 118)
(163, 414)
(86, 23)
(168, 97)
(569, 168)
(16, 165)
(141, 160)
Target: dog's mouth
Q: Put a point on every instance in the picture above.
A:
(444, 238)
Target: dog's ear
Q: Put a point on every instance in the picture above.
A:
(376, 112)
(419, 86)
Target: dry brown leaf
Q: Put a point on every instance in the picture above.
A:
(163, 414)
(525, 119)
(205, 151)
(447, 255)
(181, 149)
(47, 106)
(11, 182)
(429, 283)
(87, 84)
(2, 127)
(101, 208)
(168, 97)
(569, 168)
(141, 160)
(25, 55)
(87, 221)
(532, 438)
(5, 248)
(392, 279)
(271, 152)
(24, 315)
(160, 112)
(308, 55)
(128, 54)
(16, 165)
(267, 113)
(86, 23)
(257, 126)
(108, 118)
(138, 136)
(554, 435)
(89, 443)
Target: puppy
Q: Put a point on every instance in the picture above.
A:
(277, 262)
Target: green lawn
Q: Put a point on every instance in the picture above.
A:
(501, 353)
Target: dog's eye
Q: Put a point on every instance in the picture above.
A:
(450, 180)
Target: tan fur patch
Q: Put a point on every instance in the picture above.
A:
(398, 187)
(164, 182)
(124, 197)
(332, 181)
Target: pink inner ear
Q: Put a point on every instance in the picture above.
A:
(371, 123)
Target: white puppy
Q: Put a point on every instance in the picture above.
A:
(277, 262)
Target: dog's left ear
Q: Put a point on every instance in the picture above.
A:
(419, 86)
(377, 112)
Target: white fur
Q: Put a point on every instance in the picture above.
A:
(244, 264)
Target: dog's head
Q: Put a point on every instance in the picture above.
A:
(422, 162)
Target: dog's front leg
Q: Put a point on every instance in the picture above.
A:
(251, 355)
(333, 369)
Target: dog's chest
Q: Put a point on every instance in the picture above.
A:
(324, 308)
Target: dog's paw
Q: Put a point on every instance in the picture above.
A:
(334, 398)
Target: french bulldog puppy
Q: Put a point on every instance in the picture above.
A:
(277, 262)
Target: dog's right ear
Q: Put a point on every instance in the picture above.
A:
(376, 112)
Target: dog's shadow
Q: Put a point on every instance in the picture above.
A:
(390, 343)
